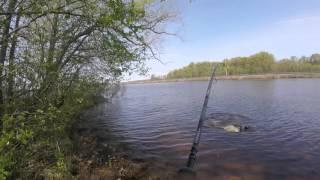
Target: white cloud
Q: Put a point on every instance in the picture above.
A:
(298, 20)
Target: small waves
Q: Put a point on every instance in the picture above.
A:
(159, 124)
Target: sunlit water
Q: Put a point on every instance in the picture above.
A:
(156, 123)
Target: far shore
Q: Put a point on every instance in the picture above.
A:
(233, 77)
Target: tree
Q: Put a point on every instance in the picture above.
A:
(262, 62)
(315, 59)
(57, 57)
(6, 24)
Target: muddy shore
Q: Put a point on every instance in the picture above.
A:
(94, 161)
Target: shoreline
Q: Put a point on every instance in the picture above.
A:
(233, 77)
(94, 160)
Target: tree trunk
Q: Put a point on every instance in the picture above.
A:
(53, 39)
(4, 46)
(50, 71)
(11, 73)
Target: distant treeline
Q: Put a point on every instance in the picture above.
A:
(260, 63)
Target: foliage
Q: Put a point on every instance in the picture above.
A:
(201, 69)
(259, 63)
(58, 57)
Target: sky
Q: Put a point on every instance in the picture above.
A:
(213, 30)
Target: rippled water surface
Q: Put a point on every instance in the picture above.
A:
(156, 122)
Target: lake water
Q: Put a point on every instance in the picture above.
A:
(157, 122)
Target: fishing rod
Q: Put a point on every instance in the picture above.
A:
(194, 149)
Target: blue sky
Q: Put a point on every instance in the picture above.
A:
(218, 29)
